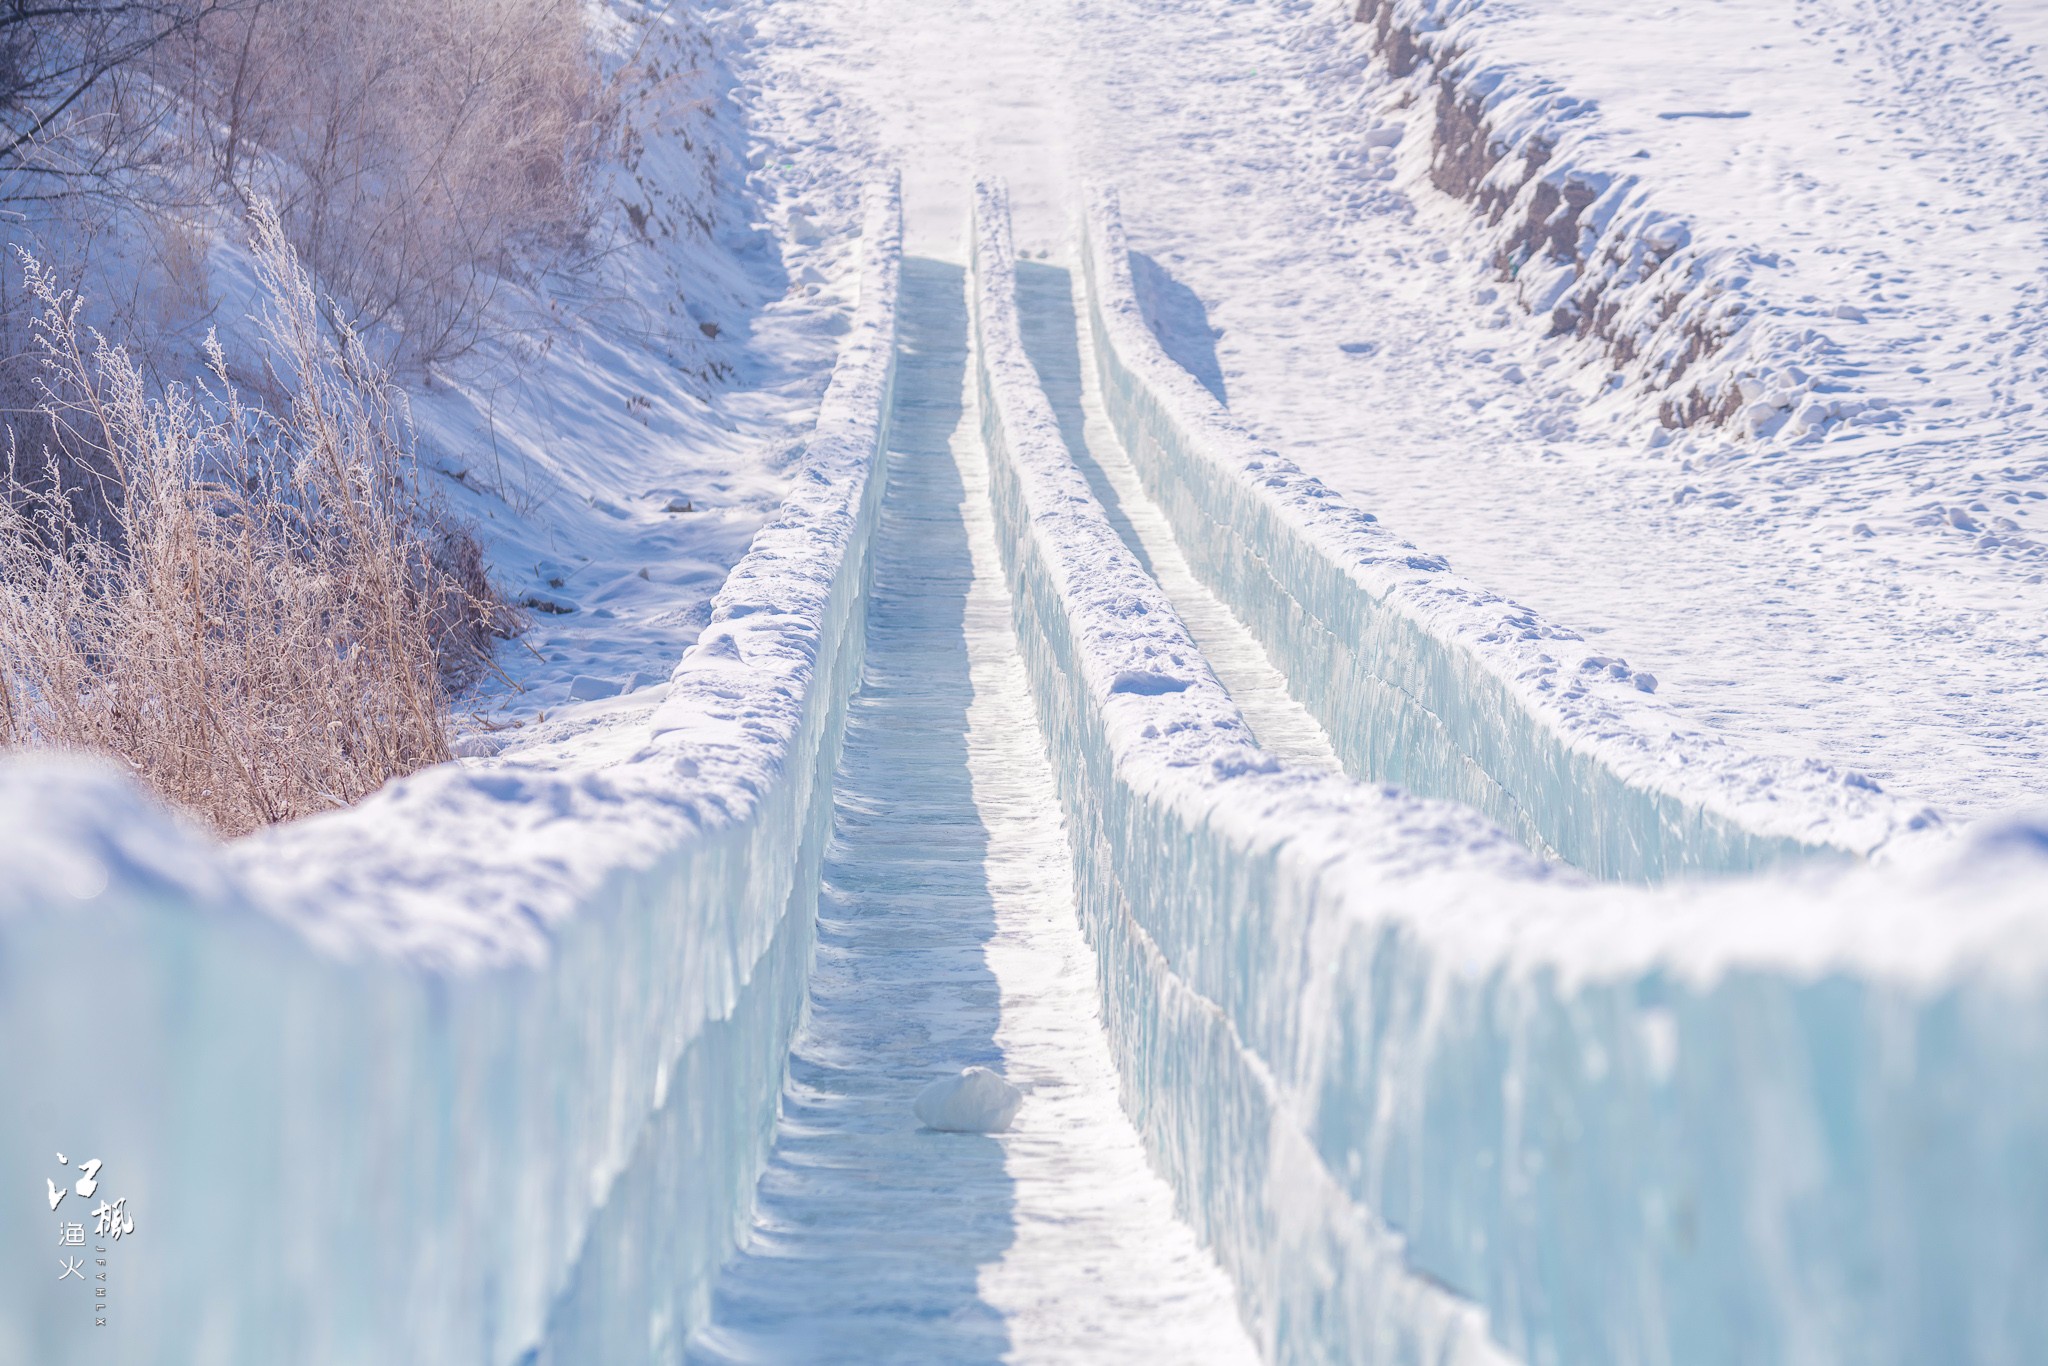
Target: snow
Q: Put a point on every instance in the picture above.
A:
(647, 415)
(975, 1102)
(607, 1042)
(456, 1042)
(1783, 593)
(948, 937)
(1805, 595)
(1423, 1091)
(1437, 685)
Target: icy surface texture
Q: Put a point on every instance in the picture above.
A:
(1368, 1036)
(482, 1069)
(1438, 685)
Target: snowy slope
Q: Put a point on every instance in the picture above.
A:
(1846, 592)
(645, 414)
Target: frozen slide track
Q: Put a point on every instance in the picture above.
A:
(1367, 1036)
(1423, 680)
(483, 1069)
(947, 937)
(1062, 355)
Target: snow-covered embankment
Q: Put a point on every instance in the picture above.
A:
(483, 1067)
(1764, 1120)
(1582, 245)
(1430, 682)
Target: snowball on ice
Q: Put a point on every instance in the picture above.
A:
(975, 1102)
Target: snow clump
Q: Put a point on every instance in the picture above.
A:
(975, 1102)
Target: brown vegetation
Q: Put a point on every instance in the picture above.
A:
(244, 592)
(272, 621)
(419, 152)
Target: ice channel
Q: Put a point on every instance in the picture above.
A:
(947, 936)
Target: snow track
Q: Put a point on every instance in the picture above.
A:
(947, 937)
(1063, 355)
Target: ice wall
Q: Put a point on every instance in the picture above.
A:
(1443, 687)
(1432, 1100)
(480, 1070)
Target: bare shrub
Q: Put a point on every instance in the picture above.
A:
(273, 626)
(87, 97)
(419, 150)
(41, 465)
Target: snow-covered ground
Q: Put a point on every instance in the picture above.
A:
(1869, 592)
(620, 449)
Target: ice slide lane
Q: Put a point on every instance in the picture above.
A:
(1432, 1102)
(947, 936)
(1062, 352)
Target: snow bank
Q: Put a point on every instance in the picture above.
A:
(482, 1069)
(1426, 681)
(1431, 1099)
(1584, 245)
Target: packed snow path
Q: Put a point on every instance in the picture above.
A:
(947, 937)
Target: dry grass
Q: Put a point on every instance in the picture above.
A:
(272, 621)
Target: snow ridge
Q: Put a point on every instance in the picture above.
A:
(1585, 245)
(1439, 685)
(460, 1037)
(1366, 1035)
